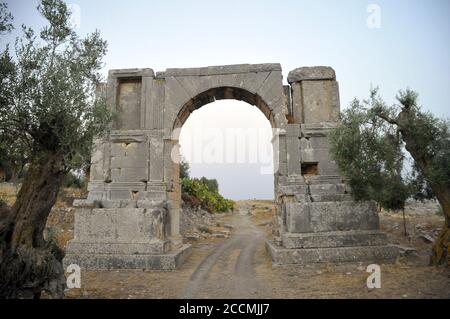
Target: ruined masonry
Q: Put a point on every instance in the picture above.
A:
(131, 218)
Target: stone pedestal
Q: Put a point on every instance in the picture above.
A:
(323, 224)
(377, 254)
(331, 231)
(123, 237)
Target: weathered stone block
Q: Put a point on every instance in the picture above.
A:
(297, 102)
(330, 198)
(144, 223)
(282, 169)
(119, 225)
(119, 194)
(272, 92)
(129, 104)
(136, 149)
(319, 189)
(326, 166)
(98, 169)
(311, 73)
(130, 174)
(319, 102)
(151, 203)
(334, 239)
(155, 195)
(155, 105)
(224, 69)
(331, 216)
(293, 148)
(127, 136)
(118, 149)
(93, 195)
(130, 73)
(156, 159)
(318, 142)
(95, 225)
(129, 161)
(85, 203)
(293, 189)
(298, 217)
(150, 247)
(378, 254)
(167, 261)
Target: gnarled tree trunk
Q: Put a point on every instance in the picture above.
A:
(441, 249)
(28, 263)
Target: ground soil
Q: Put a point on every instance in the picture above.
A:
(237, 265)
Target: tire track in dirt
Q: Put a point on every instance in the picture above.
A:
(201, 273)
(246, 238)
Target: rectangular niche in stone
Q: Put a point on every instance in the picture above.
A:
(310, 169)
(129, 103)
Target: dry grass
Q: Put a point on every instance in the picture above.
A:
(8, 192)
(61, 219)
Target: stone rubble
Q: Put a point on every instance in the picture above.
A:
(199, 224)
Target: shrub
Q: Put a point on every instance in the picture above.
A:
(73, 180)
(209, 199)
(184, 169)
(212, 184)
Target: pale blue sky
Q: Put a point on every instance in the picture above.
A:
(411, 48)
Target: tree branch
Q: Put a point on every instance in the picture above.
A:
(387, 118)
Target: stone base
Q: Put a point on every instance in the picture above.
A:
(167, 261)
(283, 256)
(331, 216)
(350, 238)
(152, 247)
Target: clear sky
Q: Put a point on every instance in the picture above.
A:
(410, 48)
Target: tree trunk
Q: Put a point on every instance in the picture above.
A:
(23, 234)
(36, 198)
(405, 233)
(14, 176)
(441, 249)
(7, 171)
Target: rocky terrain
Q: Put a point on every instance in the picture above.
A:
(198, 224)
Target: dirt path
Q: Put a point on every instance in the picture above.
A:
(239, 251)
(239, 267)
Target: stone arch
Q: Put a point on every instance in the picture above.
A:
(211, 95)
(131, 216)
(260, 85)
(220, 93)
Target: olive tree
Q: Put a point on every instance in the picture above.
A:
(369, 147)
(48, 104)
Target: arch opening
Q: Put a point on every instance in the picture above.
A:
(221, 93)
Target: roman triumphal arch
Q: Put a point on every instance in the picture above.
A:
(131, 218)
